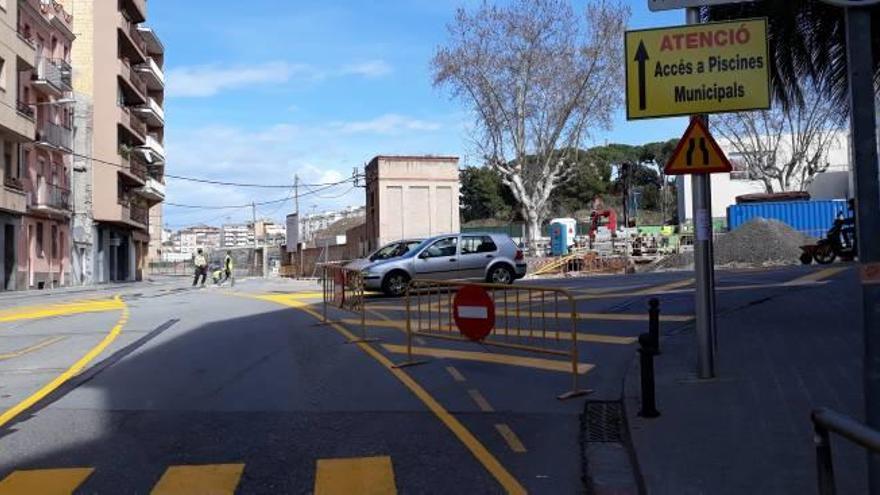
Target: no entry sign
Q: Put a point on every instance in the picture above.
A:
(474, 312)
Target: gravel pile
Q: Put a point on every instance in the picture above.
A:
(760, 242)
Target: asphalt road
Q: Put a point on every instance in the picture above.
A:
(168, 389)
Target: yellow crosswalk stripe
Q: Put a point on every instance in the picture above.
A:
(359, 475)
(207, 479)
(44, 481)
(508, 359)
(817, 276)
(64, 309)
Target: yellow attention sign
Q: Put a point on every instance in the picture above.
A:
(701, 68)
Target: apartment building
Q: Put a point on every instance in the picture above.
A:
(119, 88)
(189, 240)
(45, 96)
(17, 55)
(270, 233)
(237, 235)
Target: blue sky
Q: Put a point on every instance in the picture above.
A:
(261, 90)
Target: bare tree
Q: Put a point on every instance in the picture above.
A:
(784, 147)
(538, 77)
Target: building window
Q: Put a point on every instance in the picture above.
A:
(2, 74)
(8, 165)
(40, 252)
(54, 242)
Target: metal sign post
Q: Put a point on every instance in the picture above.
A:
(867, 192)
(704, 259)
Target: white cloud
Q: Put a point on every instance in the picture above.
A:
(370, 68)
(389, 123)
(208, 80)
(199, 81)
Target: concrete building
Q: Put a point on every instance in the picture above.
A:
(46, 91)
(17, 54)
(270, 233)
(314, 223)
(835, 183)
(237, 235)
(188, 241)
(119, 88)
(411, 196)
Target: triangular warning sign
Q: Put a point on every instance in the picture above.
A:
(697, 153)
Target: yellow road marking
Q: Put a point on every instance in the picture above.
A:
(550, 334)
(817, 276)
(481, 401)
(285, 299)
(582, 316)
(361, 475)
(44, 481)
(78, 366)
(522, 361)
(510, 437)
(656, 290)
(208, 479)
(65, 309)
(456, 375)
(479, 451)
(35, 347)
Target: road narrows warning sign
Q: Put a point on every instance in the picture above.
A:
(699, 68)
(697, 153)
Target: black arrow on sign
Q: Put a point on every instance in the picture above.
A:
(641, 57)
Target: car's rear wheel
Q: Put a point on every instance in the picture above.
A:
(500, 274)
(395, 284)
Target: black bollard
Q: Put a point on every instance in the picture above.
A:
(649, 401)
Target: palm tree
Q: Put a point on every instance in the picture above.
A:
(807, 42)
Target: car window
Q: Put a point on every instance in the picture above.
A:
(474, 244)
(443, 247)
(387, 252)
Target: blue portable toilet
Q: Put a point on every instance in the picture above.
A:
(558, 239)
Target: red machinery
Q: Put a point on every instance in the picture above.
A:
(595, 218)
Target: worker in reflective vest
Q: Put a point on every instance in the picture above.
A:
(228, 268)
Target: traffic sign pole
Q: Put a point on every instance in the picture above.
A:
(704, 259)
(867, 192)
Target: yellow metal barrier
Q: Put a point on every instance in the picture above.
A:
(526, 318)
(343, 288)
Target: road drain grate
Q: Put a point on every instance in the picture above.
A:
(604, 421)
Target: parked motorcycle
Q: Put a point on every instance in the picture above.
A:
(839, 242)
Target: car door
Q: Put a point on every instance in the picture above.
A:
(476, 252)
(439, 260)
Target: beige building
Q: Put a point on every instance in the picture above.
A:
(119, 88)
(17, 54)
(411, 196)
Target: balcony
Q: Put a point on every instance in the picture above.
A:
(25, 48)
(132, 171)
(153, 190)
(131, 45)
(134, 128)
(49, 199)
(24, 109)
(12, 196)
(136, 10)
(55, 137)
(151, 113)
(133, 86)
(152, 74)
(53, 76)
(154, 44)
(139, 215)
(153, 151)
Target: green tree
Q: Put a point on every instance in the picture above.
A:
(483, 195)
(588, 176)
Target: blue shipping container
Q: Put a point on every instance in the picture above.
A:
(812, 218)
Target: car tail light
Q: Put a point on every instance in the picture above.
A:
(519, 255)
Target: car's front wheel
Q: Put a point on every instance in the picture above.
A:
(500, 274)
(395, 284)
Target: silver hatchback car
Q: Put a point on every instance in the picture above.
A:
(493, 258)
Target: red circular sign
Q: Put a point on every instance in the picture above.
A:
(474, 312)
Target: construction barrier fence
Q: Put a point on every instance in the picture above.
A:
(526, 318)
(343, 288)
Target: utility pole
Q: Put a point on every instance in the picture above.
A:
(299, 250)
(254, 227)
(704, 259)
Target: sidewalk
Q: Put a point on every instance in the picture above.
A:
(749, 430)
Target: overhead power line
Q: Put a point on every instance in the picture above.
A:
(263, 203)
